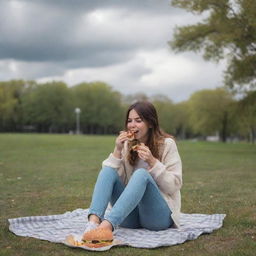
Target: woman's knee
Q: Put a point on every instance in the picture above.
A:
(109, 172)
(141, 174)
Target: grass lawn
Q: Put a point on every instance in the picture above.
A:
(51, 174)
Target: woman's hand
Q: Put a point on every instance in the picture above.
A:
(145, 154)
(120, 143)
(120, 140)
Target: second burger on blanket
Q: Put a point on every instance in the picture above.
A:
(98, 237)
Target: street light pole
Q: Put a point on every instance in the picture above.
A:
(77, 111)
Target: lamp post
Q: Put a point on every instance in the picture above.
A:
(77, 111)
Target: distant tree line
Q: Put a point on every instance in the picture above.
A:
(27, 106)
(49, 107)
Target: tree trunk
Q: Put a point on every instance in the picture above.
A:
(223, 132)
(253, 135)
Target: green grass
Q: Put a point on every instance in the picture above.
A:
(51, 174)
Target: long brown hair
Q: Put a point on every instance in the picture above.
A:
(156, 135)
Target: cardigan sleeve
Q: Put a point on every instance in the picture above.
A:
(115, 162)
(168, 172)
(112, 161)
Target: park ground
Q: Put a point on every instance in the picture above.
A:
(52, 174)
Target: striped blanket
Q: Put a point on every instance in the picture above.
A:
(55, 228)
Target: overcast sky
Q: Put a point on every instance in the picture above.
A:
(123, 43)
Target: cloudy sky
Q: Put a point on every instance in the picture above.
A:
(123, 43)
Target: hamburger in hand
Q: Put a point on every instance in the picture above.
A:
(97, 238)
(136, 147)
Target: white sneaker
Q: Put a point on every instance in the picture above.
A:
(90, 225)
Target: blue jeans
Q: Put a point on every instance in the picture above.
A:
(139, 204)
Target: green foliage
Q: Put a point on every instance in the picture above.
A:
(31, 107)
(183, 128)
(211, 111)
(101, 107)
(165, 108)
(48, 107)
(131, 98)
(229, 32)
(11, 94)
(246, 109)
(173, 118)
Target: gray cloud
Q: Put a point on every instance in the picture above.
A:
(59, 31)
(123, 43)
(150, 6)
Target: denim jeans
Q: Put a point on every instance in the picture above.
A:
(139, 204)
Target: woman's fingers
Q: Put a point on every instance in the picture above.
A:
(123, 134)
(122, 137)
(120, 140)
(143, 154)
(143, 148)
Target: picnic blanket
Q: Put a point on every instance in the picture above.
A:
(55, 228)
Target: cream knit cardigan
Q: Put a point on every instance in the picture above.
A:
(167, 173)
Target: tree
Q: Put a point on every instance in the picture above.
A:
(11, 92)
(131, 98)
(211, 111)
(48, 107)
(101, 107)
(165, 110)
(181, 118)
(228, 32)
(247, 115)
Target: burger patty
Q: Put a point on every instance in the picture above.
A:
(97, 241)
